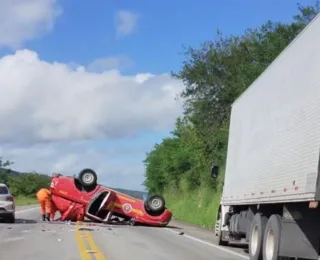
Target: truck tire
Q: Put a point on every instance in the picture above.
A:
(88, 178)
(258, 226)
(11, 218)
(271, 239)
(156, 204)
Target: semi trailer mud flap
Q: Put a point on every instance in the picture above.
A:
(300, 231)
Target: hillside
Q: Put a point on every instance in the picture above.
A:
(12, 178)
(12, 172)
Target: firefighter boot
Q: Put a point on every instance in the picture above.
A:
(48, 216)
(43, 217)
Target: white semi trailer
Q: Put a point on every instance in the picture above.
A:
(272, 185)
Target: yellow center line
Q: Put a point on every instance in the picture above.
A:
(81, 244)
(92, 249)
(98, 255)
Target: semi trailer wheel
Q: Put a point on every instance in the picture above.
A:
(258, 226)
(271, 240)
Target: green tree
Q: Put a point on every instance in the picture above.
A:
(217, 73)
(4, 171)
(214, 76)
(27, 184)
(4, 164)
(22, 184)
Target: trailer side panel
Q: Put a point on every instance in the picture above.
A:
(274, 139)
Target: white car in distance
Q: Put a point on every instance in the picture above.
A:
(7, 204)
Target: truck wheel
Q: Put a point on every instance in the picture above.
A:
(258, 226)
(271, 240)
(156, 204)
(11, 219)
(88, 178)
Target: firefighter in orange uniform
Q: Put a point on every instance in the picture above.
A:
(46, 207)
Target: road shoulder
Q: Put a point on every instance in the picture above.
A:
(204, 236)
(199, 232)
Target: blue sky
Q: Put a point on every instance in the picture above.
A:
(86, 30)
(148, 40)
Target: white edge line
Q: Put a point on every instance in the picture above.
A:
(12, 239)
(210, 244)
(26, 210)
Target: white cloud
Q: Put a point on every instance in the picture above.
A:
(112, 164)
(107, 63)
(126, 22)
(22, 20)
(43, 101)
(51, 112)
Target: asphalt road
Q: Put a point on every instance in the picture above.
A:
(31, 239)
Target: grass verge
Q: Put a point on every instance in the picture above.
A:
(23, 201)
(198, 207)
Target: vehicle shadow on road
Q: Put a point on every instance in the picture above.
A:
(25, 221)
(244, 248)
(155, 227)
(173, 227)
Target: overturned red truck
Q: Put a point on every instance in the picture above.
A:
(79, 197)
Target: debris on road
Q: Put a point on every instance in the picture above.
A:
(181, 233)
(91, 251)
(86, 229)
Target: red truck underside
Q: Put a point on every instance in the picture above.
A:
(100, 204)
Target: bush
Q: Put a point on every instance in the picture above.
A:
(23, 185)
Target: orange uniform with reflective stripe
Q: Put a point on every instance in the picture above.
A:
(43, 196)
